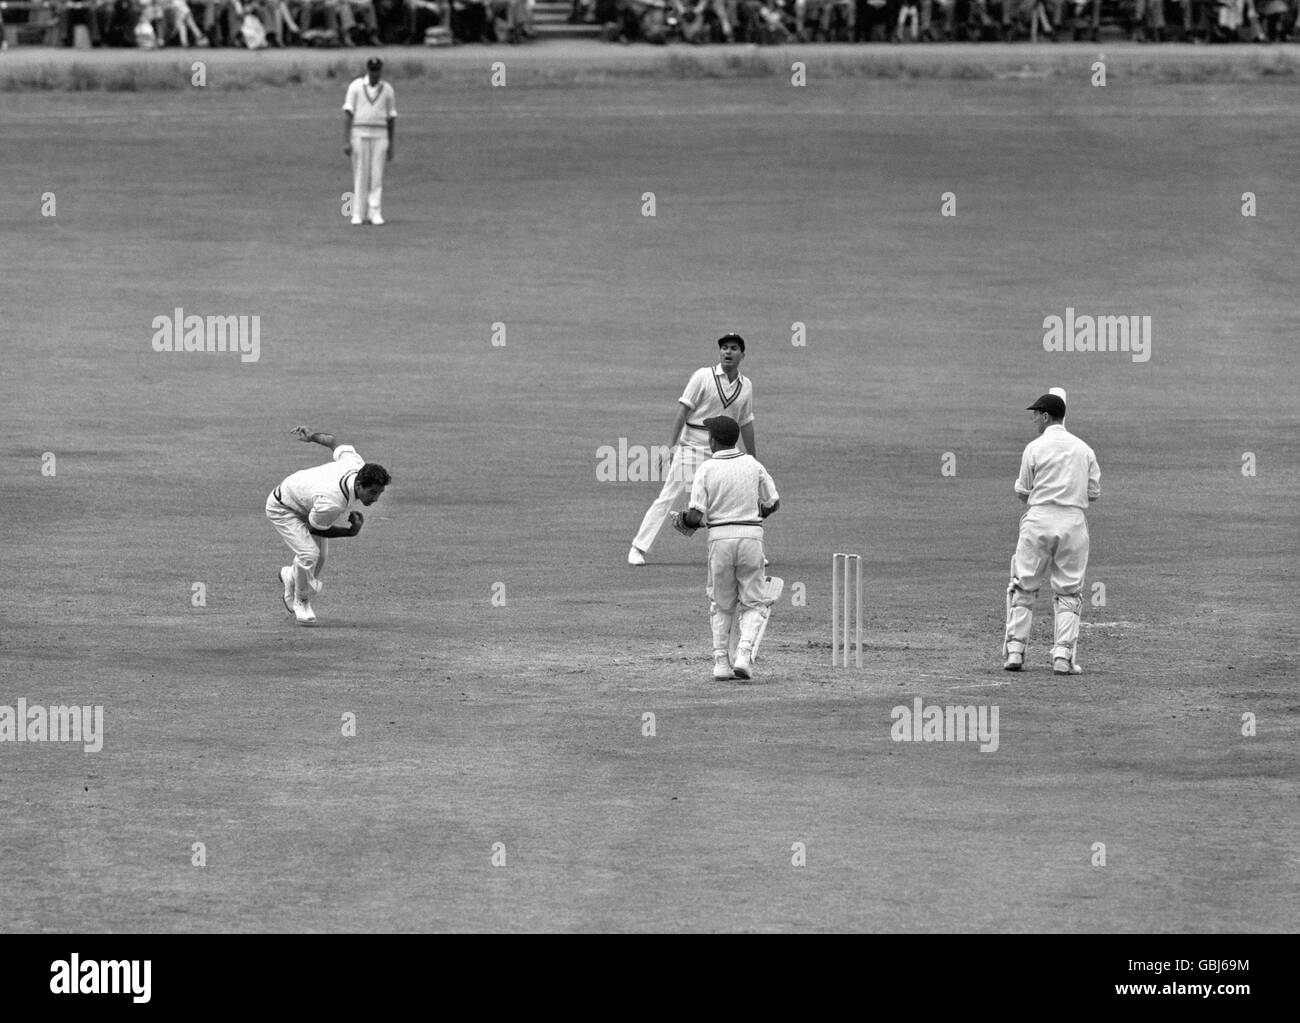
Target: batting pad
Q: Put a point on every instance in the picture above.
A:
(1067, 607)
(773, 587)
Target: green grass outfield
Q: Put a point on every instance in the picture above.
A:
(522, 723)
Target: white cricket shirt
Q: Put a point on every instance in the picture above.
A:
(370, 106)
(1058, 468)
(324, 492)
(728, 489)
(709, 393)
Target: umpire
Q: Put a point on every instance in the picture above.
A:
(1058, 479)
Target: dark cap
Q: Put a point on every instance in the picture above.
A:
(732, 337)
(374, 64)
(724, 430)
(1051, 404)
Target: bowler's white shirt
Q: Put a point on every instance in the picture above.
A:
(324, 492)
(1058, 468)
(370, 106)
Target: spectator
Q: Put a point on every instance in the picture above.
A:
(146, 31)
(908, 14)
(1149, 15)
(422, 15)
(184, 27)
(868, 15)
(469, 21)
(72, 13)
(1045, 16)
(1084, 16)
(508, 20)
(116, 20)
(933, 11)
(1275, 18)
(336, 16)
(221, 22)
(363, 14)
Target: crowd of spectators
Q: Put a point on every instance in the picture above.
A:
(260, 23)
(275, 23)
(897, 21)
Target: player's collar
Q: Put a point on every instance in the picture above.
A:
(727, 453)
(728, 391)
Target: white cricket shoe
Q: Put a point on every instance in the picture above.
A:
(1061, 666)
(721, 667)
(635, 557)
(377, 221)
(303, 614)
(1015, 661)
(286, 580)
(743, 668)
(355, 223)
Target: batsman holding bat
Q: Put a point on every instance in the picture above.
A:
(304, 507)
(732, 494)
(1058, 479)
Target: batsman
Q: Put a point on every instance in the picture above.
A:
(1058, 479)
(731, 495)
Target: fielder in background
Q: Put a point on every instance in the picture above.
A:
(304, 507)
(369, 117)
(732, 495)
(712, 391)
(1058, 479)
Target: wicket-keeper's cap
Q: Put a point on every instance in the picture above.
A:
(724, 430)
(1051, 404)
(374, 64)
(732, 337)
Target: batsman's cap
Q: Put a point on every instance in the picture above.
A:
(724, 430)
(1051, 404)
(732, 337)
(1059, 392)
(374, 64)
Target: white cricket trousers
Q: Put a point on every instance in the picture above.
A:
(681, 474)
(1053, 547)
(735, 587)
(369, 151)
(308, 551)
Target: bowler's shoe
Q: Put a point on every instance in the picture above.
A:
(303, 614)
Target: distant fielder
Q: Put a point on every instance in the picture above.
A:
(732, 495)
(1058, 479)
(369, 118)
(712, 391)
(304, 507)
